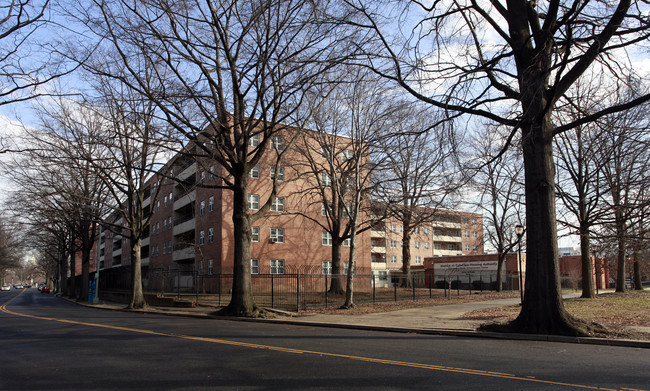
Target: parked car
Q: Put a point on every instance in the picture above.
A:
(6, 287)
(18, 286)
(45, 290)
(41, 286)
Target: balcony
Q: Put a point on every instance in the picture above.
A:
(377, 234)
(378, 249)
(184, 224)
(447, 239)
(185, 169)
(184, 199)
(183, 253)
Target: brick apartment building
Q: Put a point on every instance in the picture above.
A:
(191, 226)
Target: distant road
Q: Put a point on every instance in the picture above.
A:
(51, 344)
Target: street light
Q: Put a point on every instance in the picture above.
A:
(519, 230)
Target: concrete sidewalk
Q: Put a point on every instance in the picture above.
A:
(439, 320)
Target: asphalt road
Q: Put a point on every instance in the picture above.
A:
(47, 343)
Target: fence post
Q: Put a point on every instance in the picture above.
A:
(298, 292)
(272, 293)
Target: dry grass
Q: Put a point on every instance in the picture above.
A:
(624, 315)
(387, 306)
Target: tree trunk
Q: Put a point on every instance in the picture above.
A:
(637, 276)
(336, 284)
(137, 294)
(406, 256)
(241, 302)
(542, 310)
(349, 290)
(501, 258)
(620, 270)
(588, 290)
(71, 288)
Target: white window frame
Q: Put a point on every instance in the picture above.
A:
(280, 174)
(253, 201)
(201, 238)
(255, 234)
(211, 204)
(255, 266)
(255, 172)
(277, 266)
(202, 208)
(254, 140)
(326, 267)
(278, 204)
(325, 180)
(277, 234)
(326, 238)
(393, 244)
(277, 143)
(210, 235)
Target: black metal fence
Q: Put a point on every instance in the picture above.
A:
(293, 292)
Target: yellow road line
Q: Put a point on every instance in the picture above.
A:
(433, 367)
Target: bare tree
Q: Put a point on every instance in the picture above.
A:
(625, 142)
(497, 177)
(133, 140)
(418, 173)
(486, 59)
(336, 165)
(10, 246)
(231, 78)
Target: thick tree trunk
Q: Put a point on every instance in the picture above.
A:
(542, 310)
(637, 276)
(241, 302)
(137, 295)
(406, 257)
(501, 258)
(588, 290)
(620, 270)
(336, 284)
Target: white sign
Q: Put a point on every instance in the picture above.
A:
(475, 269)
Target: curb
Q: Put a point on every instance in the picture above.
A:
(433, 331)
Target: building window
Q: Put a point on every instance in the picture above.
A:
(325, 180)
(211, 173)
(347, 242)
(327, 238)
(202, 176)
(164, 224)
(426, 231)
(255, 231)
(200, 268)
(277, 205)
(255, 266)
(201, 237)
(253, 201)
(277, 143)
(475, 248)
(474, 234)
(171, 198)
(210, 267)
(393, 259)
(417, 230)
(451, 246)
(427, 245)
(392, 228)
(467, 247)
(255, 172)
(418, 260)
(210, 235)
(327, 267)
(467, 234)
(401, 229)
(280, 174)
(254, 140)
(417, 244)
(202, 208)
(345, 268)
(437, 246)
(277, 266)
(393, 244)
(473, 221)
(383, 275)
(346, 155)
(277, 235)
(211, 204)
